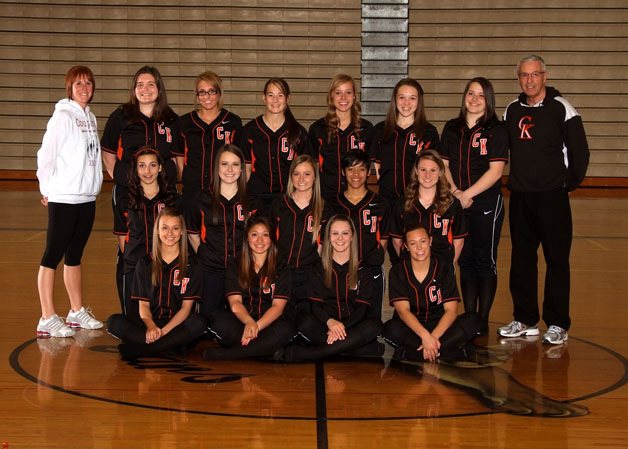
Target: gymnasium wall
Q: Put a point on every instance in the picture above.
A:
(307, 42)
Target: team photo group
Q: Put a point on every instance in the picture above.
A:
(268, 238)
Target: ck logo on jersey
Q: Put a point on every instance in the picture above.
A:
(226, 136)
(525, 125)
(435, 294)
(368, 220)
(240, 212)
(355, 144)
(440, 222)
(183, 284)
(161, 129)
(268, 290)
(160, 207)
(476, 142)
(310, 224)
(285, 148)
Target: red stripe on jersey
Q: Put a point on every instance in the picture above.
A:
(252, 157)
(203, 228)
(120, 150)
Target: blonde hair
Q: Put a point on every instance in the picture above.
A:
(316, 202)
(328, 252)
(443, 198)
(157, 263)
(331, 118)
(213, 79)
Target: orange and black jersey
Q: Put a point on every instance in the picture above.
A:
(256, 298)
(166, 298)
(341, 301)
(426, 297)
(443, 229)
(137, 225)
(370, 217)
(397, 154)
(221, 242)
(470, 151)
(124, 135)
(270, 155)
(201, 141)
(294, 229)
(330, 154)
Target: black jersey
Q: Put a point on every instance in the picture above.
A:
(221, 242)
(426, 298)
(166, 298)
(257, 299)
(397, 155)
(270, 155)
(124, 135)
(341, 301)
(370, 217)
(443, 229)
(137, 226)
(294, 229)
(201, 141)
(330, 154)
(470, 151)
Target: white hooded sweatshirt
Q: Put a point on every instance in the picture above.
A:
(69, 166)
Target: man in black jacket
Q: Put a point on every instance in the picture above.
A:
(549, 156)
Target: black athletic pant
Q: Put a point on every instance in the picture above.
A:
(228, 328)
(133, 333)
(540, 218)
(377, 282)
(69, 227)
(213, 294)
(464, 329)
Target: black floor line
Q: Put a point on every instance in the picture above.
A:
(321, 407)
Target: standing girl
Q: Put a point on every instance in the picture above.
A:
(475, 151)
(166, 288)
(297, 217)
(204, 131)
(342, 129)
(136, 213)
(341, 296)
(216, 225)
(257, 290)
(273, 140)
(70, 176)
(429, 202)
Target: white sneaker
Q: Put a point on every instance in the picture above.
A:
(53, 327)
(517, 329)
(555, 335)
(83, 318)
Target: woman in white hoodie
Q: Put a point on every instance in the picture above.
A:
(69, 170)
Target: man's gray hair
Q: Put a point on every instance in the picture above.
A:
(532, 58)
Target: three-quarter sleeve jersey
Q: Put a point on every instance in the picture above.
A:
(201, 141)
(270, 155)
(221, 241)
(256, 298)
(123, 136)
(166, 298)
(443, 229)
(330, 154)
(397, 155)
(426, 297)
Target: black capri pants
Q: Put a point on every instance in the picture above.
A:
(69, 227)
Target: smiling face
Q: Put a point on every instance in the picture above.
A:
(532, 80)
(146, 90)
(303, 177)
(474, 100)
(356, 175)
(428, 173)
(418, 244)
(407, 101)
(170, 231)
(208, 96)
(229, 168)
(340, 237)
(258, 239)
(275, 99)
(343, 97)
(148, 169)
(82, 91)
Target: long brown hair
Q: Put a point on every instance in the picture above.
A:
(158, 262)
(291, 122)
(316, 203)
(215, 190)
(443, 198)
(331, 118)
(327, 253)
(246, 269)
(161, 112)
(489, 99)
(136, 191)
(419, 115)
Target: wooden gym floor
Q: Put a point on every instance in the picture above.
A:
(76, 393)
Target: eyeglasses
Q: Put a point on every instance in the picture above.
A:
(205, 93)
(534, 75)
